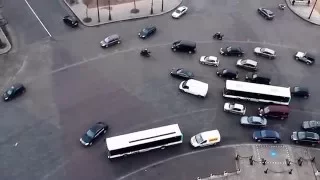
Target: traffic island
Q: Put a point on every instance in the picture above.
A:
(98, 12)
(306, 10)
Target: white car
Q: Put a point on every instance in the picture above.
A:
(179, 12)
(234, 108)
(305, 57)
(265, 52)
(209, 60)
(206, 138)
(194, 87)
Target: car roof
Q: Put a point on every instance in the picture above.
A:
(189, 43)
(229, 71)
(212, 58)
(304, 89)
(256, 118)
(314, 123)
(279, 108)
(113, 36)
(182, 7)
(249, 61)
(211, 134)
(267, 10)
(271, 133)
(238, 106)
(269, 50)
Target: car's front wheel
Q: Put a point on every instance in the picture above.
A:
(174, 49)
(275, 142)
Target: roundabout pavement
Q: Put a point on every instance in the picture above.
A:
(72, 83)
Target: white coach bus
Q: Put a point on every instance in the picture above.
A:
(257, 92)
(143, 141)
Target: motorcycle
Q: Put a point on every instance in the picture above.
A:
(282, 6)
(218, 36)
(145, 53)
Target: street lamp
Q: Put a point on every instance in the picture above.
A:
(151, 12)
(312, 9)
(98, 11)
(109, 10)
(162, 6)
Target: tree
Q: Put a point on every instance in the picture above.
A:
(87, 3)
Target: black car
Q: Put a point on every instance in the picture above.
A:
(71, 21)
(266, 13)
(228, 73)
(231, 51)
(14, 91)
(146, 32)
(266, 136)
(311, 126)
(184, 46)
(258, 78)
(181, 73)
(300, 92)
(94, 133)
(305, 137)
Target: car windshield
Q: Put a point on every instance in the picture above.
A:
(297, 89)
(301, 135)
(145, 30)
(10, 91)
(254, 76)
(263, 133)
(250, 119)
(90, 133)
(224, 71)
(229, 49)
(199, 138)
(178, 11)
(266, 110)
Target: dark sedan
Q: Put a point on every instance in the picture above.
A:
(71, 21)
(13, 92)
(266, 13)
(300, 92)
(94, 133)
(146, 32)
(181, 73)
(228, 73)
(305, 137)
(266, 136)
(231, 51)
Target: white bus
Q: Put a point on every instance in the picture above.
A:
(257, 92)
(143, 141)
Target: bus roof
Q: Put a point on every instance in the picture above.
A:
(258, 88)
(140, 137)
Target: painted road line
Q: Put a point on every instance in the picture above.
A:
(44, 27)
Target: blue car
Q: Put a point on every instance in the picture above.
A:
(266, 136)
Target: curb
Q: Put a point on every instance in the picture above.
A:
(297, 14)
(8, 47)
(136, 18)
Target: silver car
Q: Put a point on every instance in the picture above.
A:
(265, 52)
(209, 60)
(110, 41)
(253, 121)
(247, 64)
(234, 108)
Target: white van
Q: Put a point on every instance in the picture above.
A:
(206, 138)
(194, 87)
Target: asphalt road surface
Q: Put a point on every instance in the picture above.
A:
(40, 132)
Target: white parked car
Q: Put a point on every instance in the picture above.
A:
(265, 52)
(234, 108)
(179, 12)
(194, 87)
(209, 60)
(206, 138)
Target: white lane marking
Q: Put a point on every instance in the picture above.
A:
(44, 27)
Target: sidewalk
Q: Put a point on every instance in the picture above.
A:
(275, 167)
(303, 11)
(5, 40)
(120, 10)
